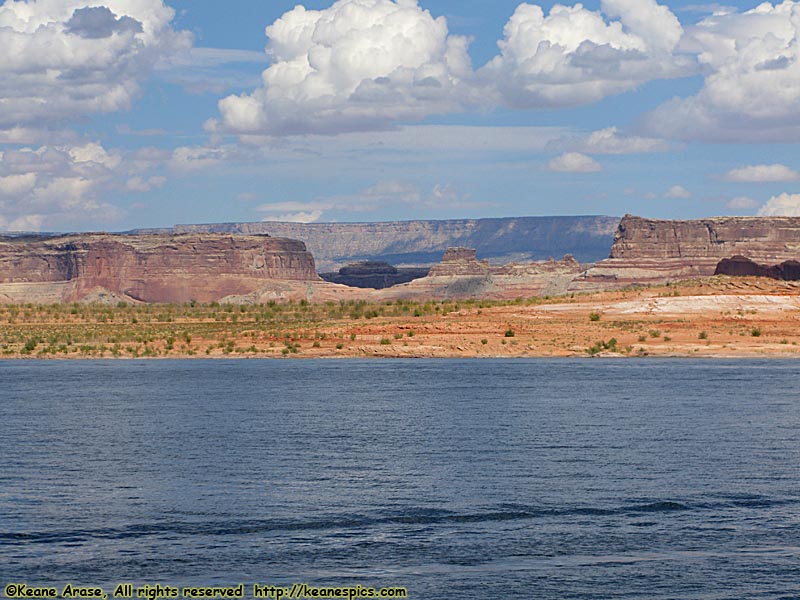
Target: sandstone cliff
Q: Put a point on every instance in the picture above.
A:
(153, 268)
(647, 251)
(416, 243)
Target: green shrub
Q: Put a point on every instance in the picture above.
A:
(594, 316)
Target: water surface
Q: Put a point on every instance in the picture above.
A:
(454, 478)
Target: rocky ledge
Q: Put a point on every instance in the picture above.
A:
(146, 268)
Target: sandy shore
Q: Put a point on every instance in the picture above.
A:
(715, 317)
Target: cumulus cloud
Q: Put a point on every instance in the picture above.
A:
(55, 186)
(785, 205)
(574, 162)
(15, 185)
(677, 191)
(610, 141)
(575, 56)
(357, 65)
(751, 90)
(63, 60)
(762, 174)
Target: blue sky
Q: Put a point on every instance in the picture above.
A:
(117, 114)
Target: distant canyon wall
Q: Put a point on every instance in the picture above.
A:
(649, 251)
(153, 268)
(416, 243)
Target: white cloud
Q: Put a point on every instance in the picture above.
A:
(198, 158)
(14, 185)
(677, 191)
(57, 186)
(741, 203)
(22, 223)
(575, 56)
(298, 217)
(574, 162)
(357, 65)
(610, 141)
(785, 205)
(762, 174)
(140, 184)
(66, 59)
(751, 91)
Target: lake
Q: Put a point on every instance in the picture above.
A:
(467, 479)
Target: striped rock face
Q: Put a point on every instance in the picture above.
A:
(147, 268)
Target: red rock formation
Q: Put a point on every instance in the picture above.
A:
(459, 262)
(647, 251)
(148, 268)
(763, 239)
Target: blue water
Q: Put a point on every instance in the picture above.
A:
(455, 479)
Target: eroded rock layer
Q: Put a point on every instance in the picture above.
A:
(648, 251)
(152, 268)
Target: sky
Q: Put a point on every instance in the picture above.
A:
(122, 114)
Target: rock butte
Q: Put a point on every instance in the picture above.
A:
(647, 251)
(374, 274)
(147, 268)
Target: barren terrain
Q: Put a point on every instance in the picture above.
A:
(711, 317)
